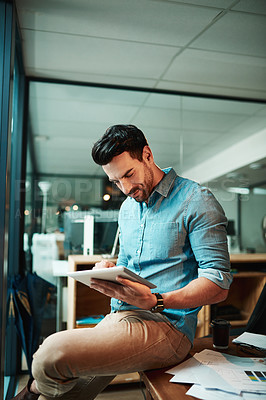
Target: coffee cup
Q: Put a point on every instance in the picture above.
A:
(220, 333)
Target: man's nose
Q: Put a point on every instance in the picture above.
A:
(126, 187)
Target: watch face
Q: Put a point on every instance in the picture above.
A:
(157, 309)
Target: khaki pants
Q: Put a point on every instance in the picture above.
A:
(78, 364)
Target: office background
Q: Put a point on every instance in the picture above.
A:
(190, 74)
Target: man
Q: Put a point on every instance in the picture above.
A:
(172, 232)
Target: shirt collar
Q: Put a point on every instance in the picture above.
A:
(165, 185)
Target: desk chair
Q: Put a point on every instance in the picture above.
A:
(257, 320)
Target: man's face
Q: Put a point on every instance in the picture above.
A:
(133, 177)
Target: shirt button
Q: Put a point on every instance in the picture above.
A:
(138, 251)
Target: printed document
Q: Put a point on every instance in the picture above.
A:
(222, 376)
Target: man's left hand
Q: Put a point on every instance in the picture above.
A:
(133, 293)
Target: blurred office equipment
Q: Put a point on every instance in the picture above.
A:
(100, 231)
(44, 186)
(232, 238)
(44, 250)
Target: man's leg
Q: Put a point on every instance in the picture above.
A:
(84, 361)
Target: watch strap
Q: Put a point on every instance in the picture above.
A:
(159, 307)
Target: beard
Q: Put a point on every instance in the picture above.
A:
(142, 191)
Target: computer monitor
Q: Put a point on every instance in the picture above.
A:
(99, 234)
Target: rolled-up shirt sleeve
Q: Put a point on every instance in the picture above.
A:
(206, 224)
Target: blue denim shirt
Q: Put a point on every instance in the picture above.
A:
(178, 236)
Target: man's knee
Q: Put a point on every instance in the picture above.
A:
(50, 358)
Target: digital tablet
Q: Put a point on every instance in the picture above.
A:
(109, 274)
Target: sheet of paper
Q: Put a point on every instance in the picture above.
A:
(211, 379)
(184, 366)
(225, 375)
(244, 380)
(253, 396)
(209, 394)
(242, 373)
(185, 372)
(211, 357)
(192, 371)
(252, 339)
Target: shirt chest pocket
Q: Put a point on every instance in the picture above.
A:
(165, 240)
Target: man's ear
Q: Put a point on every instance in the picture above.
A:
(147, 154)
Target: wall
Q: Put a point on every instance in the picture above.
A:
(253, 210)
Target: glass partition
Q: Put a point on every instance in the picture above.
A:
(11, 198)
(204, 139)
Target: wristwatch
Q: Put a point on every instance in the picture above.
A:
(159, 307)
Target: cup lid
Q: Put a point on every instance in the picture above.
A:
(220, 322)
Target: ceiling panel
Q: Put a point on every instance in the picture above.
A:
(63, 129)
(197, 138)
(236, 33)
(211, 121)
(163, 136)
(211, 89)
(250, 126)
(220, 70)
(88, 55)
(69, 122)
(124, 20)
(262, 112)
(82, 112)
(62, 92)
(196, 46)
(122, 32)
(216, 105)
(157, 117)
(251, 6)
(208, 3)
(163, 101)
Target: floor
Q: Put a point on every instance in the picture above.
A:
(122, 391)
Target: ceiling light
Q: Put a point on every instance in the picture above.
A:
(256, 165)
(238, 190)
(106, 197)
(233, 175)
(259, 191)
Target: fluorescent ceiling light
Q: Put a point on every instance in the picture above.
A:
(238, 190)
(256, 165)
(259, 191)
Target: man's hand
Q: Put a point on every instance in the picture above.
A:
(133, 293)
(104, 264)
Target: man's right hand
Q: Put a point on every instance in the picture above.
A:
(104, 264)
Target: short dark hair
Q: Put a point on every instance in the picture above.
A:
(116, 140)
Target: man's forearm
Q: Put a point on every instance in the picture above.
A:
(198, 292)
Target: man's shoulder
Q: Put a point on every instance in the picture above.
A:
(185, 189)
(182, 183)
